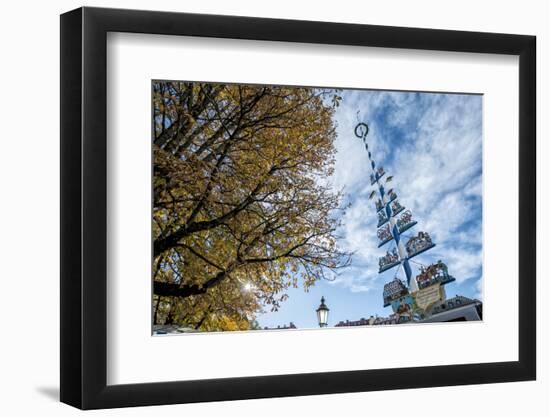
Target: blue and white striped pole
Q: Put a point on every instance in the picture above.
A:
(361, 131)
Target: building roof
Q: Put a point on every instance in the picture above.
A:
(284, 326)
(371, 321)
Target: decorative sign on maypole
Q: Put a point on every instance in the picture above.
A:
(415, 296)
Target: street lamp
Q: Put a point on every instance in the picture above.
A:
(322, 313)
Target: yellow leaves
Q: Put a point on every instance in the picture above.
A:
(242, 169)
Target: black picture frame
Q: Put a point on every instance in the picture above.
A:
(84, 207)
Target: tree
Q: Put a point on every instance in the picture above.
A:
(241, 209)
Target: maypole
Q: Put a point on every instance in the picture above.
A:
(393, 221)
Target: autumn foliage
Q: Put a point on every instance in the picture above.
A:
(242, 208)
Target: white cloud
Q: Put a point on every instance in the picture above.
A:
(431, 144)
(357, 279)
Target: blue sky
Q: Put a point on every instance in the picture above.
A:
(432, 145)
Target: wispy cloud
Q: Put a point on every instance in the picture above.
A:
(431, 144)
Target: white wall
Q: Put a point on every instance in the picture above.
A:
(29, 223)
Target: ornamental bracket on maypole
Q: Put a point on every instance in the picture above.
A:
(361, 131)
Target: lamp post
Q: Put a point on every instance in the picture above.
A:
(322, 313)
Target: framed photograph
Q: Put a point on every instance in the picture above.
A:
(257, 208)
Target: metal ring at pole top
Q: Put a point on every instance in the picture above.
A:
(361, 130)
